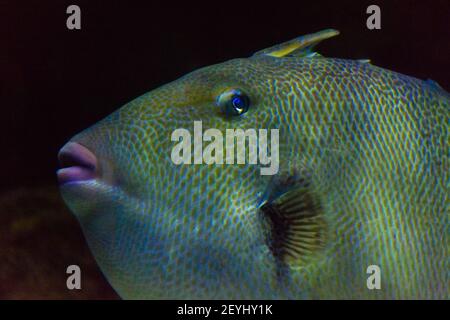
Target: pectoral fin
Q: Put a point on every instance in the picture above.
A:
(301, 46)
(298, 228)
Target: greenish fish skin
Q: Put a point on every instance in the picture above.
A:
(374, 144)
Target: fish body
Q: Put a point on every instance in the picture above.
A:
(362, 181)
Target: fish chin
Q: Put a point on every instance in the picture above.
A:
(86, 198)
(97, 207)
(104, 212)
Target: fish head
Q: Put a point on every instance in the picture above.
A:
(163, 229)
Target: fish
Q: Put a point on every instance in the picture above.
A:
(357, 209)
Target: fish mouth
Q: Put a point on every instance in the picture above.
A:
(87, 183)
(78, 164)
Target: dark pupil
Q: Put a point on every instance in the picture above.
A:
(239, 104)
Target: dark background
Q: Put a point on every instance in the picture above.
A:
(54, 82)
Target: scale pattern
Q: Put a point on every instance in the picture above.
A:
(374, 144)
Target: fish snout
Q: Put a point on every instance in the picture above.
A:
(77, 163)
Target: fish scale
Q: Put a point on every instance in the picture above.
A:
(370, 144)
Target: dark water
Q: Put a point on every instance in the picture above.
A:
(39, 238)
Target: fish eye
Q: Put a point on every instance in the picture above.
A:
(233, 102)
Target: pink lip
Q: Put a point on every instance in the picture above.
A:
(77, 163)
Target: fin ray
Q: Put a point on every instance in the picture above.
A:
(297, 225)
(301, 46)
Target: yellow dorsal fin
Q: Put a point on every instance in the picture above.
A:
(301, 46)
